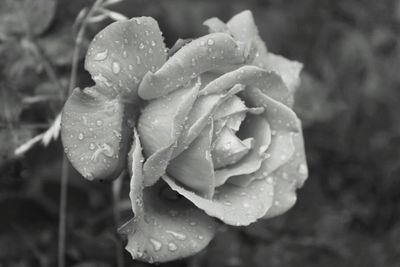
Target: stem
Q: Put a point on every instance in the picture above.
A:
(63, 213)
(116, 191)
(78, 42)
(65, 172)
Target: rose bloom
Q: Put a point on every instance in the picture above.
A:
(206, 131)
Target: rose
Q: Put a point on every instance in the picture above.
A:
(214, 121)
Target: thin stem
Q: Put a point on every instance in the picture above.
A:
(78, 42)
(65, 172)
(63, 213)
(116, 191)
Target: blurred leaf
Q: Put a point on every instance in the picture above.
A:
(22, 17)
(312, 103)
(10, 105)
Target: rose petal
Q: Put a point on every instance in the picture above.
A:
(95, 134)
(258, 128)
(243, 27)
(197, 119)
(289, 70)
(160, 125)
(269, 82)
(232, 204)
(216, 25)
(123, 52)
(288, 178)
(228, 148)
(136, 172)
(284, 123)
(167, 228)
(229, 106)
(194, 166)
(203, 109)
(201, 55)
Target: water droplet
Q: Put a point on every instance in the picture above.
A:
(201, 237)
(116, 68)
(193, 223)
(99, 122)
(125, 54)
(172, 246)
(138, 60)
(156, 244)
(92, 146)
(153, 43)
(270, 180)
(303, 169)
(210, 41)
(179, 236)
(141, 46)
(130, 67)
(101, 55)
(80, 136)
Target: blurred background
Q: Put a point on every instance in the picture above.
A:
(347, 213)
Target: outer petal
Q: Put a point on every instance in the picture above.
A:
(167, 227)
(194, 166)
(123, 52)
(289, 70)
(232, 204)
(242, 27)
(95, 134)
(206, 53)
(160, 125)
(271, 84)
(288, 178)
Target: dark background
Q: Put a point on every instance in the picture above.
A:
(347, 214)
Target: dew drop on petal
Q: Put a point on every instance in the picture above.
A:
(92, 146)
(101, 55)
(303, 169)
(116, 68)
(156, 244)
(80, 136)
(179, 236)
(172, 246)
(99, 122)
(210, 41)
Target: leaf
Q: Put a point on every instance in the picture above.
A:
(160, 125)
(232, 204)
(122, 53)
(95, 133)
(26, 17)
(194, 167)
(10, 104)
(201, 55)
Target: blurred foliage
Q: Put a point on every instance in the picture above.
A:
(348, 212)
